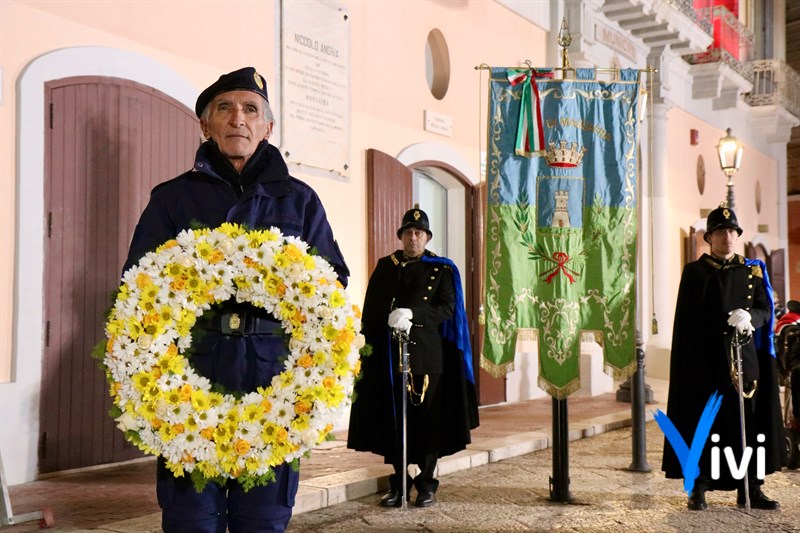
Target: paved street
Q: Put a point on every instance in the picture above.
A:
(512, 495)
(499, 484)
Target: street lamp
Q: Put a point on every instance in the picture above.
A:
(730, 158)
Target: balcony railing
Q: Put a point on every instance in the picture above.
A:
(774, 83)
(733, 42)
(697, 10)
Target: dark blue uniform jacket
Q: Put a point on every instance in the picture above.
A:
(261, 196)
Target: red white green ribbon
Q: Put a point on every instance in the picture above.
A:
(530, 131)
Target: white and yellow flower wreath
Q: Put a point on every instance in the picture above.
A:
(165, 408)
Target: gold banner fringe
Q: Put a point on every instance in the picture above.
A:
(497, 371)
(526, 334)
(620, 373)
(559, 393)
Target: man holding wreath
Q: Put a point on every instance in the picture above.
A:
(237, 177)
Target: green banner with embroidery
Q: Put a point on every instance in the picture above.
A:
(561, 225)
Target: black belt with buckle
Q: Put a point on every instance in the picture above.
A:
(240, 323)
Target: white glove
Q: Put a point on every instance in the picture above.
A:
(401, 319)
(740, 319)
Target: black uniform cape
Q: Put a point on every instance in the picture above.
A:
(700, 366)
(373, 415)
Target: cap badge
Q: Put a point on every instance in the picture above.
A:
(257, 78)
(416, 215)
(726, 213)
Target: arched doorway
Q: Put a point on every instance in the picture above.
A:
(109, 142)
(456, 207)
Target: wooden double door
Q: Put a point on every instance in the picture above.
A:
(108, 141)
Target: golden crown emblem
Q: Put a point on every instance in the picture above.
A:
(564, 154)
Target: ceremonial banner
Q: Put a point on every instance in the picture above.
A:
(561, 225)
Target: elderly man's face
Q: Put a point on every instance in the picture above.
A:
(236, 122)
(723, 242)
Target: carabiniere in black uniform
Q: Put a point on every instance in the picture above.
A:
(441, 405)
(711, 289)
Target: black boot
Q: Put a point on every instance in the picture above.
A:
(757, 499)
(697, 500)
(392, 498)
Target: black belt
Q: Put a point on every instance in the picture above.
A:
(241, 323)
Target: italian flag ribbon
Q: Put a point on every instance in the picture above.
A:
(530, 131)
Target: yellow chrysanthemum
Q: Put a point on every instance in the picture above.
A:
(231, 230)
(223, 433)
(287, 310)
(323, 434)
(207, 469)
(143, 380)
(293, 253)
(330, 332)
(300, 423)
(167, 432)
(224, 449)
(307, 289)
(282, 260)
(200, 400)
(134, 328)
(215, 399)
(286, 378)
(274, 285)
(175, 468)
(233, 416)
(174, 397)
(337, 299)
(203, 249)
(319, 358)
(253, 413)
(252, 464)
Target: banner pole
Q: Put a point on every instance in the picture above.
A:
(560, 481)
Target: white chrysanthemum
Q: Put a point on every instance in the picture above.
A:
(207, 418)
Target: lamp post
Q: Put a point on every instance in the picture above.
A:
(730, 158)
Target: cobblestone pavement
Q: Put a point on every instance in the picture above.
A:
(513, 495)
